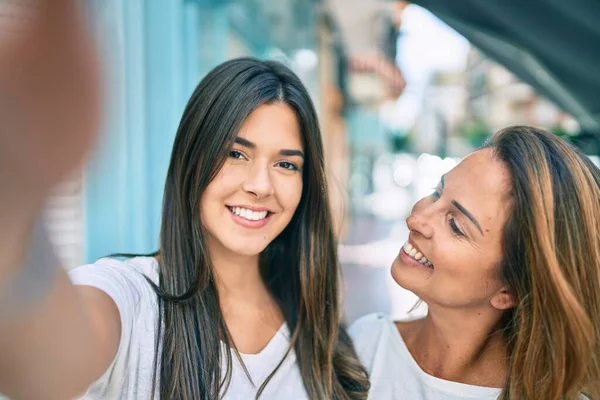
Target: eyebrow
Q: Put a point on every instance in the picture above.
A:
(244, 142)
(464, 210)
(467, 214)
(283, 152)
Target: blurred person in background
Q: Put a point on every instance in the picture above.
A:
(241, 299)
(506, 255)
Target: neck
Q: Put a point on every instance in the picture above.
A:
(237, 276)
(460, 345)
(244, 298)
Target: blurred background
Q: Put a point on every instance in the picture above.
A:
(403, 91)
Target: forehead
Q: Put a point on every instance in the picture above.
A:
(481, 184)
(274, 125)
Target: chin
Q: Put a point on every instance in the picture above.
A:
(398, 275)
(248, 252)
(246, 247)
(408, 277)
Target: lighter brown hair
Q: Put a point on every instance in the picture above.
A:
(551, 262)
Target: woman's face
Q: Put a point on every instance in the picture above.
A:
(257, 191)
(456, 234)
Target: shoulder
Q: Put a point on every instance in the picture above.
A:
(133, 268)
(126, 282)
(370, 334)
(369, 325)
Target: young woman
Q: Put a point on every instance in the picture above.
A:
(241, 299)
(506, 255)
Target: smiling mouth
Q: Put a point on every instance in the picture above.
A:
(416, 255)
(249, 214)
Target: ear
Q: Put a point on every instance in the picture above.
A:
(503, 299)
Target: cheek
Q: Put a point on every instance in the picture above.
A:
(230, 177)
(207, 208)
(209, 199)
(466, 272)
(217, 191)
(227, 180)
(290, 193)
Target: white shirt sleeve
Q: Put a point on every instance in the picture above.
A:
(366, 336)
(130, 373)
(124, 285)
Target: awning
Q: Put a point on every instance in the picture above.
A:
(550, 44)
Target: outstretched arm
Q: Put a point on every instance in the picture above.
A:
(55, 339)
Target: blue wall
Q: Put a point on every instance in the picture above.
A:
(152, 64)
(154, 54)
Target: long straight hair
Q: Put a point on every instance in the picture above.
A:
(299, 267)
(552, 264)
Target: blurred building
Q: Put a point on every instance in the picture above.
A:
(497, 99)
(438, 127)
(371, 80)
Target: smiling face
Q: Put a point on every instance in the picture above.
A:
(257, 191)
(456, 234)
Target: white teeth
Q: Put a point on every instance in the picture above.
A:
(248, 214)
(412, 252)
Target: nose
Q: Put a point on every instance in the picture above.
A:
(258, 182)
(420, 219)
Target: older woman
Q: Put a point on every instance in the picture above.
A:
(506, 255)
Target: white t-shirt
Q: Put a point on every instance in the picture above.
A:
(394, 373)
(129, 377)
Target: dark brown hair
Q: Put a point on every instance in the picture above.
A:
(299, 267)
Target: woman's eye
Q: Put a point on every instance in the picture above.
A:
(455, 228)
(236, 154)
(288, 165)
(435, 194)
